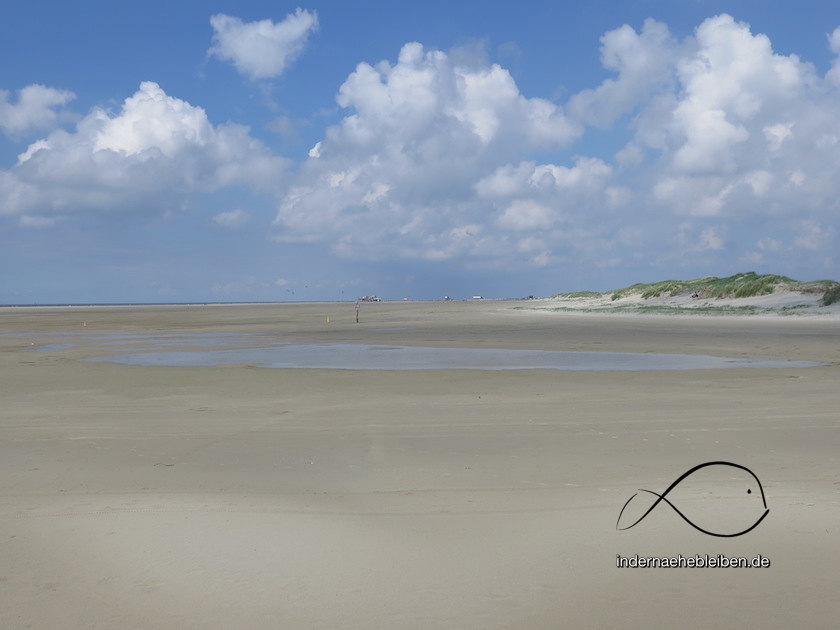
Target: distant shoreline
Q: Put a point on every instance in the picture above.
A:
(158, 304)
(175, 304)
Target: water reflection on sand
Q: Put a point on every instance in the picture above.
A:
(354, 356)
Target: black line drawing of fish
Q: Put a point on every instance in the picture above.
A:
(662, 498)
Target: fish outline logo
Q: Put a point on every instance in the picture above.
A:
(662, 497)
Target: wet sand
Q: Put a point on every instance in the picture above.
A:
(239, 496)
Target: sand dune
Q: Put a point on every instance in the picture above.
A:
(784, 302)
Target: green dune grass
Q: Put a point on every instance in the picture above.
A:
(741, 285)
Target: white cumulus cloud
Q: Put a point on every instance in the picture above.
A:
(397, 175)
(644, 64)
(156, 146)
(722, 131)
(35, 108)
(261, 49)
(723, 128)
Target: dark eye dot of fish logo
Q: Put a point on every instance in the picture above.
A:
(662, 498)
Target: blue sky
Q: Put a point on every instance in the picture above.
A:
(260, 151)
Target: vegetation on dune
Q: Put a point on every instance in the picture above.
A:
(738, 286)
(832, 295)
(579, 294)
(741, 285)
(654, 308)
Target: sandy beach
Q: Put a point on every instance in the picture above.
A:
(238, 496)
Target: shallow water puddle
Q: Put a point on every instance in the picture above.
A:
(349, 356)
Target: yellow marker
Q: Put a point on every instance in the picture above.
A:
(328, 319)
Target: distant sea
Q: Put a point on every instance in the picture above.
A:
(77, 304)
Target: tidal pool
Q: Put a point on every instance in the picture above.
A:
(349, 356)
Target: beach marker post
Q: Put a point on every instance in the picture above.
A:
(358, 308)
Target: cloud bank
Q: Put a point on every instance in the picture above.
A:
(721, 151)
(728, 144)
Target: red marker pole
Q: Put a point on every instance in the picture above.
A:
(358, 308)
